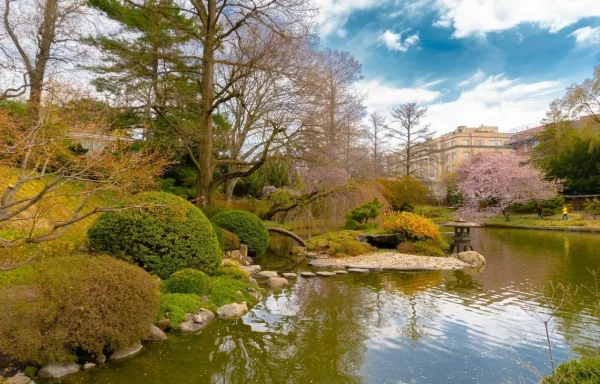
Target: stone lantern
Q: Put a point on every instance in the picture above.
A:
(462, 235)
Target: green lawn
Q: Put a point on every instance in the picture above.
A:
(575, 220)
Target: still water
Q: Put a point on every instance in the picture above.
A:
(431, 327)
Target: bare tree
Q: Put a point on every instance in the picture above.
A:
(378, 135)
(412, 136)
(35, 34)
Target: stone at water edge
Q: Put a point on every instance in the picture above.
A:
(358, 270)
(124, 352)
(251, 269)
(232, 311)
(88, 366)
(100, 359)
(57, 369)
(472, 258)
(307, 274)
(325, 273)
(265, 274)
(17, 380)
(196, 322)
(156, 334)
(277, 282)
(341, 272)
(289, 275)
(163, 324)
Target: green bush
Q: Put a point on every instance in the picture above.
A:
(592, 207)
(233, 272)
(358, 218)
(422, 248)
(550, 207)
(169, 235)
(340, 243)
(226, 290)
(174, 306)
(76, 304)
(249, 228)
(188, 281)
(228, 241)
(582, 371)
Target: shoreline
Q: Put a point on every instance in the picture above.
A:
(544, 228)
(391, 261)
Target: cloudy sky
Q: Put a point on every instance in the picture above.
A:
(471, 62)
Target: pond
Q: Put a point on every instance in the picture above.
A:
(429, 327)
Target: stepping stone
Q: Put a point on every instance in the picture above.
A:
(265, 274)
(358, 270)
(277, 282)
(251, 269)
(307, 274)
(341, 272)
(326, 274)
(289, 275)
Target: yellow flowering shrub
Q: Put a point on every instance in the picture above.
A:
(412, 227)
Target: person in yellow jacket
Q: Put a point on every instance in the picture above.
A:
(565, 213)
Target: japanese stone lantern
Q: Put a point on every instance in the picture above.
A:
(462, 235)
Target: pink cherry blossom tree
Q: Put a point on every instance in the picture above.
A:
(491, 182)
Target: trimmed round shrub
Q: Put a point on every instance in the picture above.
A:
(169, 235)
(249, 228)
(220, 236)
(188, 281)
(76, 304)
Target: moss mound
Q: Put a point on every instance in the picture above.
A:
(169, 235)
(582, 371)
(188, 281)
(247, 226)
(174, 306)
(340, 243)
(76, 304)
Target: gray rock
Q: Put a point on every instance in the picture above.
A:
(256, 295)
(341, 272)
(232, 311)
(358, 270)
(101, 359)
(163, 324)
(156, 334)
(307, 274)
(277, 282)
(17, 380)
(325, 273)
(472, 258)
(244, 250)
(88, 366)
(253, 282)
(289, 275)
(251, 269)
(57, 369)
(265, 274)
(235, 254)
(124, 352)
(197, 321)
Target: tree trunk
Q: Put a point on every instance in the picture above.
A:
(229, 186)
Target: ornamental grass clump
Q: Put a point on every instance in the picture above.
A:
(76, 304)
(166, 235)
(412, 227)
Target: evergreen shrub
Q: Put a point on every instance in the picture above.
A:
(247, 226)
(188, 281)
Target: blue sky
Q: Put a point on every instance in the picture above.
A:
(471, 62)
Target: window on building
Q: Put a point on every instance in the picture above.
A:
(479, 142)
(496, 143)
(446, 144)
(447, 158)
(453, 156)
(466, 155)
(452, 143)
(535, 143)
(465, 141)
(447, 168)
(525, 149)
(434, 172)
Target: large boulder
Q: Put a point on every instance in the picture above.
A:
(156, 334)
(277, 282)
(197, 321)
(124, 352)
(251, 269)
(17, 379)
(232, 311)
(57, 369)
(472, 258)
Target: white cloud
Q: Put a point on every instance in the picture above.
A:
(393, 41)
(587, 35)
(497, 100)
(478, 76)
(478, 17)
(334, 14)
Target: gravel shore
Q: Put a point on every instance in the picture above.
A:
(391, 261)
